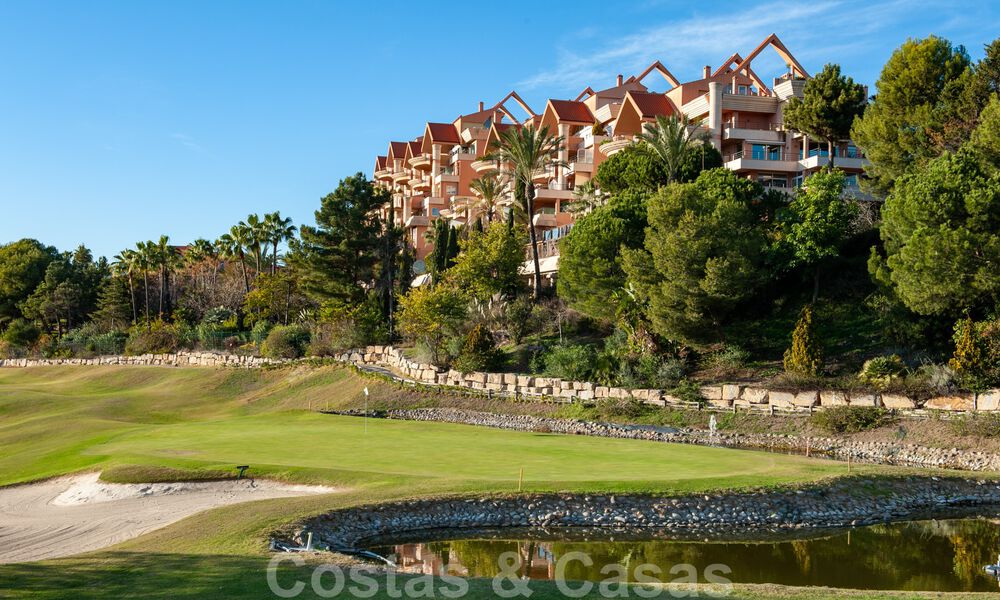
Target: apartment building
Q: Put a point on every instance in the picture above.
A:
(430, 177)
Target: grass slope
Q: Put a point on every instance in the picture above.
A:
(150, 423)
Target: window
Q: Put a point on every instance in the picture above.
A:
(742, 90)
(773, 181)
(851, 180)
(435, 212)
(765, 152)
(452, 190)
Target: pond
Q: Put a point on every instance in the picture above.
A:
(936, 555)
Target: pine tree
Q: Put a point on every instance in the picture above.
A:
(805, 357)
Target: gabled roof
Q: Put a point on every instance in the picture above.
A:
(662, 70)
(380, 162)
(566, 111)
(412, 149)
(442, 133)
(396, 150)
(649, 105)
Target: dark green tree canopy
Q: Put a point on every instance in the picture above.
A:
(941, 233)
(337, 257)
(590, 257)
(706, 251)
(631, 169)
(828, 107)
(901, 127)
(22, 268)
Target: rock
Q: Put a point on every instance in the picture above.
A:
(755, 395)
(731, 392)
(989, 400)
(832, 398)
(863, 399)
(806, 399)
(897, 401)
(711, 392)
(781, 399)
(962, 402)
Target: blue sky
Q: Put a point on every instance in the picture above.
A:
(120, 121)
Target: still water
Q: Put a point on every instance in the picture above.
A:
(943, 555)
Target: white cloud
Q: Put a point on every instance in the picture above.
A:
(685, 45)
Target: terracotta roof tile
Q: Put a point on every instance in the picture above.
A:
(650, 105)
(443, 133)
(397, 149)
(571, 112)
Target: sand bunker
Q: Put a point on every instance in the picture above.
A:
(80, 513)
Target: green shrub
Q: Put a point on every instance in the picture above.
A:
(21, 333)
(259, 332)
(882, 370)
(479, 351)
(571, 362)
(286, 341)
(649, 371)
(978, 425)
(518, 318)
(851, 419)
(805, 357)
(729, 359)
(160, 338)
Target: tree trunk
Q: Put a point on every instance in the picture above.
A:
(829, 150)
(815, 285)
(145, 293)
(163, 288)
(246, 278)
(131, 295)
(274, 259)
(529, 198)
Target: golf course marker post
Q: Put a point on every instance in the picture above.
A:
(366, 409)
(520, 479)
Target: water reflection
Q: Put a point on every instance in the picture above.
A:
(946, 555)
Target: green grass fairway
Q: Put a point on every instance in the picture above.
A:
(57, 420)
(144, 423)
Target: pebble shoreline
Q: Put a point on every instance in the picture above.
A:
(845, 503)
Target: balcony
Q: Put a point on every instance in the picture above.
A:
(401, 177)
(555, 191)
(841, 162)
(421, 184)
(483, 166)
(439, 200)
(749, 103)
(422, 162)
(761, 161)
(446, 174)
(544, 174)
(616, 144)
(383, 174)
(417, 221)
(544, 220)
(772, 135)
(582, 160)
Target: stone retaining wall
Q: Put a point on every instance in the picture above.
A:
(720, 396)
(840, 504)
(515, 385)
(176, 359)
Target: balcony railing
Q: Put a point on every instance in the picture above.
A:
(776, 156)
(585, 155)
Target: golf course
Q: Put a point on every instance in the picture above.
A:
(147, 424)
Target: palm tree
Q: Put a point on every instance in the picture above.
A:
(671, 140)
(200, 252)
(586, 197)
(257, 238)
(527, 150)
(492, 189)
(233, 245)
(126, 264)
(165, 258)
(278, 230)
(143, 261)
